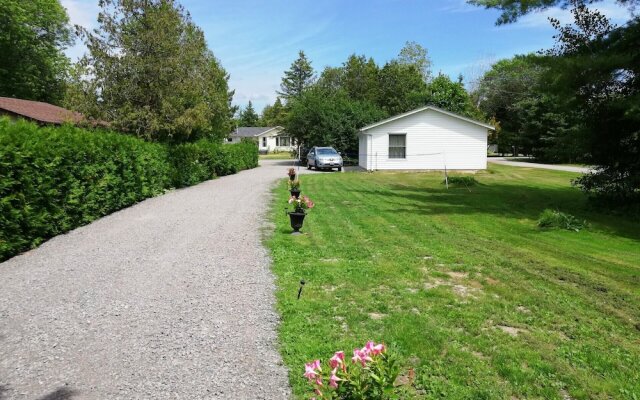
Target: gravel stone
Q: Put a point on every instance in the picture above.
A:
(172, 298)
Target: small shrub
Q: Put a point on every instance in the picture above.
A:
(371, 374)
(461, 180)
(556, 219)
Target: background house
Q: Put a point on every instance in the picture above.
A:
(269, 139)
(425, 138)
(42, 113)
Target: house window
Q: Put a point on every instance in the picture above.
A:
(398, 146)
(264, 142)
(284, 141)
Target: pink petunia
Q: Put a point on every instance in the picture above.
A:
(333, 380)
(378, 349)
(316, 365)
(310, 372)
(337, 359)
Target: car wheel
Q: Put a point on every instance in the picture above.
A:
(308, 166)
(339, 169)
(317, 169)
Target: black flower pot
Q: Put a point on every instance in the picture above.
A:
(292, 177)
(295, 193)
(297, 219)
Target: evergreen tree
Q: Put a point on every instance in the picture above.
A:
(274, 115)
(298, 78)
(248, 116)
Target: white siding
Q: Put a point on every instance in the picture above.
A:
(433, 138)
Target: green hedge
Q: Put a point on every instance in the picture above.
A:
(202, 160)
(53, 179)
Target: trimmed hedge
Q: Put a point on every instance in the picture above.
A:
(54, 179)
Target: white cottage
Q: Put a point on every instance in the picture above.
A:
(269, 138)
(427, 138)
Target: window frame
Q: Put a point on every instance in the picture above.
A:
(396, 147)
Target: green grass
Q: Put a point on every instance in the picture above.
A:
(473, 295)
(276, 156)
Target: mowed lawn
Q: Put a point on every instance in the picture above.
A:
(471, 294)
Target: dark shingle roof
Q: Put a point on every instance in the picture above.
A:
(38, 111)
(244, 131)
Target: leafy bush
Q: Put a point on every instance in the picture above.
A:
(556, 219)
(371, 374)
(461, 180)
(205, 159)
(53, 179)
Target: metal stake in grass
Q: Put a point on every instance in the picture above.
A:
(300, 290)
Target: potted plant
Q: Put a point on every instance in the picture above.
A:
(292, 174)
(294, 188)
(299, 206)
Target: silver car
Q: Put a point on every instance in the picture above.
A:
(324, 158)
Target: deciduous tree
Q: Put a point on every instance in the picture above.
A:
(152, 73)
(33, 36)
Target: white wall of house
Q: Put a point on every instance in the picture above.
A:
(431, 140)
(272, 143)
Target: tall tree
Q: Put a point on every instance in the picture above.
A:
(514, 9)
(152, 74)
(594, 71)
(414, 54)
(274, 115)
(399, 87)
(298, 78)
(321, 118)
(33, 35)
(360, 78)
(248, 116)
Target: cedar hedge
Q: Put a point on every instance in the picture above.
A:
(54, 179)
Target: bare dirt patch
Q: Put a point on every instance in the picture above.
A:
(510, 330)
(458, 275)
(377, 316)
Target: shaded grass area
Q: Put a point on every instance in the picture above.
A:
(476, 298)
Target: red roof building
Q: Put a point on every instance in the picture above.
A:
(43, 113)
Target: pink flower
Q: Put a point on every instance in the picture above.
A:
(310, 204)
(372, 348)
(333, 380)
(378, 349)
(319, 382)
(337, 359)
(309, 372)
(361, 356)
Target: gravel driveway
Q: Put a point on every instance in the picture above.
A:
(170, 298)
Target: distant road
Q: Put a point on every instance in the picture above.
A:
(568, 168)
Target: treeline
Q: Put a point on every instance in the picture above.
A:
(578, 102)
(54, 179)
(148, 71)
(329, 107)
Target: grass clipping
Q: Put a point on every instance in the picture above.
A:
(550, 219)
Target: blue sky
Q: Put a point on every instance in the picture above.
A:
(257, 40)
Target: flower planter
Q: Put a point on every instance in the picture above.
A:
(295, 193)
(297, 219)
(292, 177)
